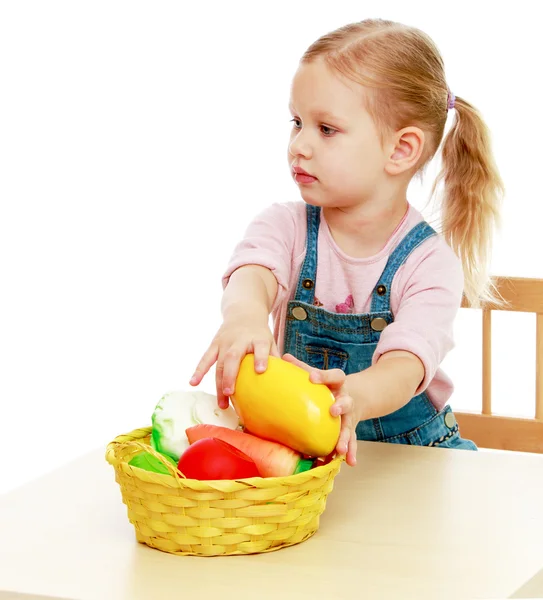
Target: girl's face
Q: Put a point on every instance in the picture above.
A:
(333, 139)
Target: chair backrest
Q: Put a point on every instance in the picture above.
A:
(489, 430)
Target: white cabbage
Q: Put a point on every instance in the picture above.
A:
(177, 411)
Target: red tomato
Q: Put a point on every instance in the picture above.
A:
(211, 458)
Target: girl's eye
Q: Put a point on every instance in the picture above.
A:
(329, 131)
(326, 131)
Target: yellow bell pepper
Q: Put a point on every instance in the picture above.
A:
(282, 405)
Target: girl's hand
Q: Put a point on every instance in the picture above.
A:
(344, 405)
(231, 343)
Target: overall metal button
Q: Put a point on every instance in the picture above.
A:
(381, 290)
(450, 420)
(378, 324)
(299, 313)
(307, 283)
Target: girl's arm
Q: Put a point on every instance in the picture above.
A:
(246, 305)
(250, 293)
(411, 348)
(386, 386)
(256, 278)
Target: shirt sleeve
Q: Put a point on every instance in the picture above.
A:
(429, 296)
(268, 242)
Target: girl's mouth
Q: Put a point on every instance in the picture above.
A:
(301, 175)
(301, 178)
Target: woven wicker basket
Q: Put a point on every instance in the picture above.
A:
(211, 518)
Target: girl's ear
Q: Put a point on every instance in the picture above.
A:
(407, 148)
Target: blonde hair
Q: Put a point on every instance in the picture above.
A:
(403, 72)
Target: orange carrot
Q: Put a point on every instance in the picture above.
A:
(272, 459)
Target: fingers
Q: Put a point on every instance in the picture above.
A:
(347, 443)
(230, 345)
(261, 349)
(222, 400)
(351, 452)
(313, 372)
(231, 361)
(206, 362)
(233, 358)
(292, 359)
(344, 436)
(343, 405)
(331, 377)
(228, 363)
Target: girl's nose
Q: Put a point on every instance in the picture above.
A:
(299, 145)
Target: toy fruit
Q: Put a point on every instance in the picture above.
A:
(151, 463)
(178, 410)
(211, 458)
(271, 459)
(282, 405)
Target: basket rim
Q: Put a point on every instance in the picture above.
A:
(132, 439)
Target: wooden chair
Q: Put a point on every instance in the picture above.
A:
(489, 430)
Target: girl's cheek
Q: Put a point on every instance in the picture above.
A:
(342, 175)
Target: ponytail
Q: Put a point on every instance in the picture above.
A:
(471, 199)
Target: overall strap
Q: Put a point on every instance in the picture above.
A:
(305, 290)
(413, 239)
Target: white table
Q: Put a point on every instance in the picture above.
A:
(407, 522)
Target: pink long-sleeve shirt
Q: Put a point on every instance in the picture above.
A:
(426, 291)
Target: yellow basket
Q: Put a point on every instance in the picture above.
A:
(212, 518)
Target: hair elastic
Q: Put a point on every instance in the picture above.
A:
(451, 98)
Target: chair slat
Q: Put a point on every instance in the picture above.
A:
(487, 362)
(539, 367)
(521, 294)
(502, 433)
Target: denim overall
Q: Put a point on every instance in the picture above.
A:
(328, 340)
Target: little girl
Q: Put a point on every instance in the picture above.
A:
(362, 291)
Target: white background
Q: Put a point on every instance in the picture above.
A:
(137, 139)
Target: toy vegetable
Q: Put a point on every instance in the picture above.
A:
(282, 405)
(271, 459)
(211, 458)
(147, 461)
(178, 410)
